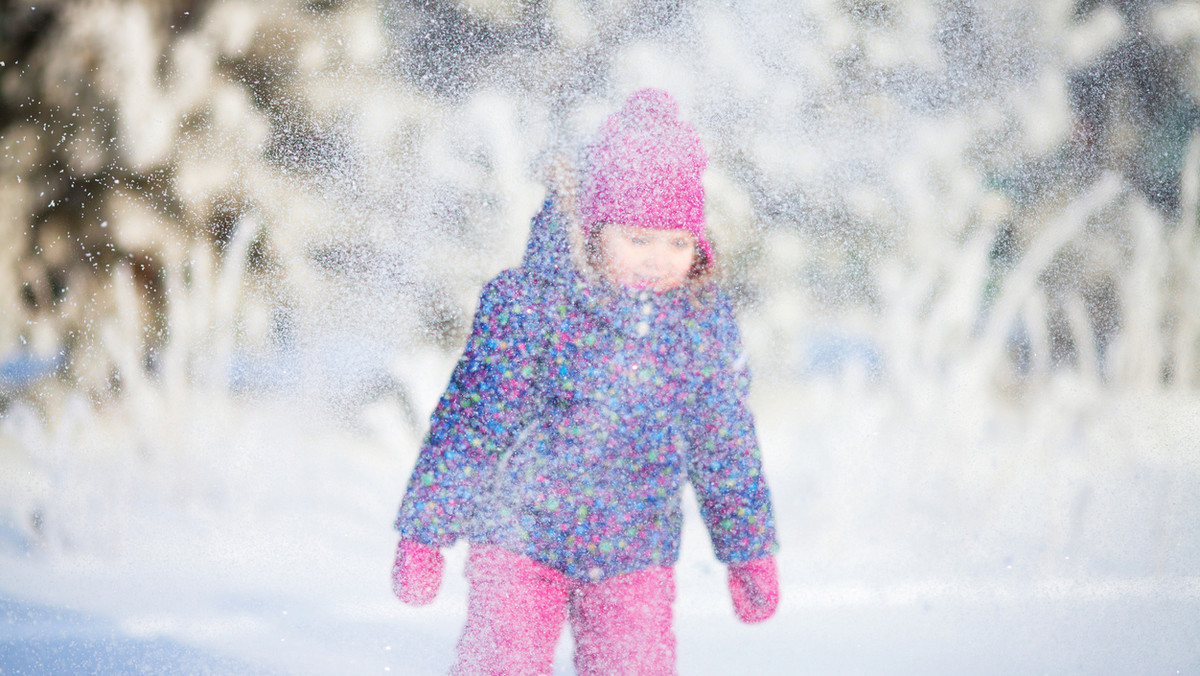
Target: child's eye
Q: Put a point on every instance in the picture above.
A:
(680, 244)
(640, 241)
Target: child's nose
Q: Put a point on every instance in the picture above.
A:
(657, 256)
(660, 252)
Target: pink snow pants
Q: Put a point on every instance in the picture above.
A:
(516, 608)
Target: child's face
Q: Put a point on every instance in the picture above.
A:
(647, 258)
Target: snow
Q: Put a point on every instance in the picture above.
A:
(270, 551)
(214, 493)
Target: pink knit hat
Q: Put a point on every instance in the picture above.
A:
(644, 169)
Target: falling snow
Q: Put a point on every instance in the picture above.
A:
(243, 243)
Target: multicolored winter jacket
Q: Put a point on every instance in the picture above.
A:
(575, 416)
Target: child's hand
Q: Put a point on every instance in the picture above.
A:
(417, 573)
(754, 587)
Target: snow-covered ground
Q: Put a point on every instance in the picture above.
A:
(269, 552)
(223, 624)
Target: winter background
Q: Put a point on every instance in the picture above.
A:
(242, 242)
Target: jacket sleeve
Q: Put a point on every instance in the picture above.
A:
(484, 407)
(724, 462)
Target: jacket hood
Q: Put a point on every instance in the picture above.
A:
(555, 248)
(548, 253)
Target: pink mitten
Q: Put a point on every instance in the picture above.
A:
(417, 573)
(754, 587)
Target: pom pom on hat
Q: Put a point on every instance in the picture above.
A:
(644, 169)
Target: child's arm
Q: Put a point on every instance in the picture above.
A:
(724, 463)
(485, 405)
(725, 469)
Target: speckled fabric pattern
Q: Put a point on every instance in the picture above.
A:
(575, 416)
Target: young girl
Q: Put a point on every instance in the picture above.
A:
(599, 376)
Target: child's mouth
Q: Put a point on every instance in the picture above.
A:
(643, 283)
